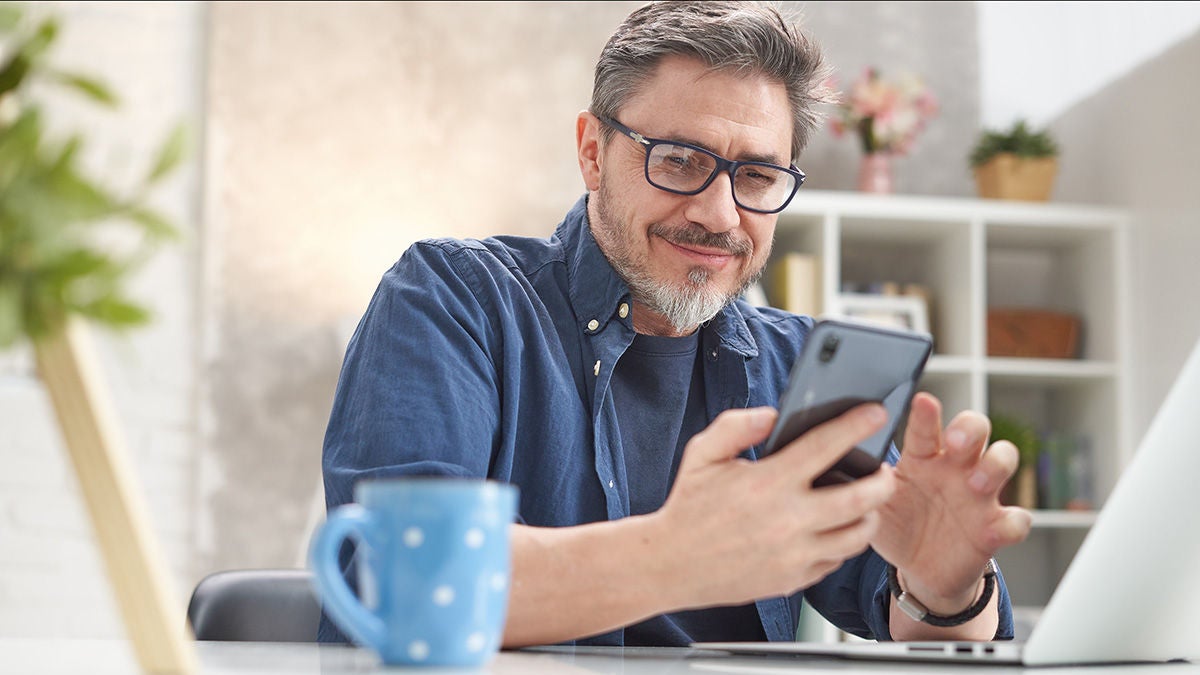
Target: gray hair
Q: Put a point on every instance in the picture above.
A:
(744, 37)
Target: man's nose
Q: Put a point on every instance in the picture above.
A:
(714, 208)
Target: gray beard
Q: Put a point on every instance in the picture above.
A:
(684, 306)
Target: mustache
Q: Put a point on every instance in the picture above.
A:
(697, 235)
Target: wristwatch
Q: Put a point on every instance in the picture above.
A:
(912, 607)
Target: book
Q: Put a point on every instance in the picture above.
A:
(794, 283)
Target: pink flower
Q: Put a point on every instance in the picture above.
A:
(887, 116)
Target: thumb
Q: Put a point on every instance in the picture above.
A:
(729, 434)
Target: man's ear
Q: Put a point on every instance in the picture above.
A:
(587, 143)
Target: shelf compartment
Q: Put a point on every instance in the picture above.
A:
(1034, 567)
(1070, 407)
(932, 253)
(1068, 269)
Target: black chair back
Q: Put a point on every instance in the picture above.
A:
(255, 606)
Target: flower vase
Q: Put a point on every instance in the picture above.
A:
(875, 173)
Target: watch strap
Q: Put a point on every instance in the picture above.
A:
(913, 607)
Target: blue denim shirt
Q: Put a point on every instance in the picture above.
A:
(493, 359)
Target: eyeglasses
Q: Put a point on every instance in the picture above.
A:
(685, 169)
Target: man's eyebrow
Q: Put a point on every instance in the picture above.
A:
(765, 158)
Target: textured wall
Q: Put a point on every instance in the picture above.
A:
(340, 133)
(937, 41)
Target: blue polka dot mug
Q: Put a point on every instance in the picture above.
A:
(433, 563)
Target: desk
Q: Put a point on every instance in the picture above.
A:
(113, 657)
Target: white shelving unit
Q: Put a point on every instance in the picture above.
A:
(974, 254)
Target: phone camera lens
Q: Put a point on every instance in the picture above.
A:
(829, 348)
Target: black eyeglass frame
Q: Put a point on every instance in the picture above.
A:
(723, 166)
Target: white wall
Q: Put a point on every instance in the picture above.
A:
(1133, 144)
(1036, 59)
(52, 581)
(1117, 83)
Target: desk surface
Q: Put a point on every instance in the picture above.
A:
(113, 657)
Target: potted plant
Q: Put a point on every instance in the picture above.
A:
(1019, 163)
(67, 245)
(1023, 489)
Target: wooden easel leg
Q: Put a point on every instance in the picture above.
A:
(136, 566)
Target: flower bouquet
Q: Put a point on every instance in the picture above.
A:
(887, 116)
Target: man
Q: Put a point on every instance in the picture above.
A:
(611, 373)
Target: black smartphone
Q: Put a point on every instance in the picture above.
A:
(842, 365)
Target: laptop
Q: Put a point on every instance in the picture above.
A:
(1129, 595)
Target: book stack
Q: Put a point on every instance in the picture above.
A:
(1065, 472)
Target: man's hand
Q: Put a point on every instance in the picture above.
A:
(731, 531)
(749, 530)
(945, 519)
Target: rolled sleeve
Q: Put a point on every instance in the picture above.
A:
(418, 391)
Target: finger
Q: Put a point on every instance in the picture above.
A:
(995, 467)
(841, 505)
(847, 541)
(729, 434)
(822, 446)
(923, 436)
(966, 436)
(1012, 527)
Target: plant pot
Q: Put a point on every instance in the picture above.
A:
(1007, 176)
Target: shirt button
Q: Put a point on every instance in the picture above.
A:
(596, 369)
(610, 483)
(713, 354)
(593, 324)
(623, 310)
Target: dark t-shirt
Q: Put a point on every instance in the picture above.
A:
(658, 389)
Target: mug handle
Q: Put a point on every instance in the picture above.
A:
(349, 520)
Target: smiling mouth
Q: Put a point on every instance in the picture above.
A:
(701, 245)
(715, 257)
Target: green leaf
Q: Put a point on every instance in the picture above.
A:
(10, 17)
(79, 263)
(40, 41)
(10, 316)
(169, 155)
(116, 311)
(13, 73)
(92, 88)
(154, 224)
(1019, 140)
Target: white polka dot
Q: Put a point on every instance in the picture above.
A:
(418, 650)
(474, 538)
(443, 595)
(476, 642)
(499, 581)
(414, 537)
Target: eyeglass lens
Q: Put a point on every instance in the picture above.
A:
(680, 168)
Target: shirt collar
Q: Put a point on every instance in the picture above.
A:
(597, 291)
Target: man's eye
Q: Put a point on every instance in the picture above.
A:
(680, 161)
(757, 179)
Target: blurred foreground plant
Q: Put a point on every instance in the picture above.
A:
(66, 252)
(57, 255)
